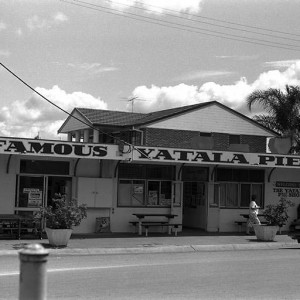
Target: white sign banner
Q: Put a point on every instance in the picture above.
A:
(59, 149)
(171, 155)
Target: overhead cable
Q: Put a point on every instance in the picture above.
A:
(182, 27)
(178, 15)
(70, 115)
(212, 19)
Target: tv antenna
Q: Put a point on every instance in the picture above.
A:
(132, 100)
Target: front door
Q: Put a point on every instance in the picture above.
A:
(213, 218)
(194, 204)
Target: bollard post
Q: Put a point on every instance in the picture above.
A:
(33, 273)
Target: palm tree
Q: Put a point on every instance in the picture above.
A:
(283, 112)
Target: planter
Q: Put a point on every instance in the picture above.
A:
(58, 237)
(265, 232)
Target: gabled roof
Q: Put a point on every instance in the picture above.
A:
(109, 117)
(128, 119)
(118, 118)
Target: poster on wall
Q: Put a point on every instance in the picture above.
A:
(286, 189)
(102, 224)
(138, 189)
(152, 198)
(35, 198)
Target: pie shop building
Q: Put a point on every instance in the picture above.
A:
(201, 162)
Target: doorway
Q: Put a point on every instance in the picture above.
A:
(194, 205)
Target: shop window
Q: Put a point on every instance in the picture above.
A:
(239, 175)
(235, 187)
(160, 172)
(144, 193)
(131, 193)
(238, 195)
(194, 174)
(44, 167)
(132, 171)
(159, 193)
(31, 192)
(146, 171)
(145, 185)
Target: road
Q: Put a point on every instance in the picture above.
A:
(255, 274)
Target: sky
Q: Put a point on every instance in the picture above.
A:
(163, 53)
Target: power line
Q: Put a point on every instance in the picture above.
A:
(70, 115)
(210, 18)
(182, 27)
(208, 23)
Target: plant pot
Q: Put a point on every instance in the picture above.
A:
(58, 237)
(265, 232)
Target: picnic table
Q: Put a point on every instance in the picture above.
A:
(246, 216)
(16, 223)
(141, 216)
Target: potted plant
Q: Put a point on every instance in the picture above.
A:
(276, 215)
(60, 217)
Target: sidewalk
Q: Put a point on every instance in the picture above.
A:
(120, 243)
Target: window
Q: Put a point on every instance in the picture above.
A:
(135, 137)
(145, 185)
(235, 187)
(193, 194)
(234, 139)
(132, 192)
(44, 167)
(208, 134)
(159, 193)
(246, 175)
(132, 136)
(30, 191)
(194, 174)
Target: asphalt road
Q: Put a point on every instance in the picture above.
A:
(256, 274)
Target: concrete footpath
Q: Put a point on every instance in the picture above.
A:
(156, 243)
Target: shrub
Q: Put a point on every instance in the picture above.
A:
(62, 214)
(277, 214)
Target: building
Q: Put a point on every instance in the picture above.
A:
(202, 162)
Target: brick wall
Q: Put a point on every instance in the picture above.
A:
(182, 139)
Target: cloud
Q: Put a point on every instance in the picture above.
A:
(280, 63)
(2, 26)
(232, 95)
(19, 32)
(158, 6)
(60, 18)
(4, 53)
(37, 23)
(92, 68)
(238, 57)
(27, 118)
(202, 74)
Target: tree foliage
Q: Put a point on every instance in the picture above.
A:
(282, 111)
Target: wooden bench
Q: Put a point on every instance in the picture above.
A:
(240, 224)
(146, 225)
(136, 223)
